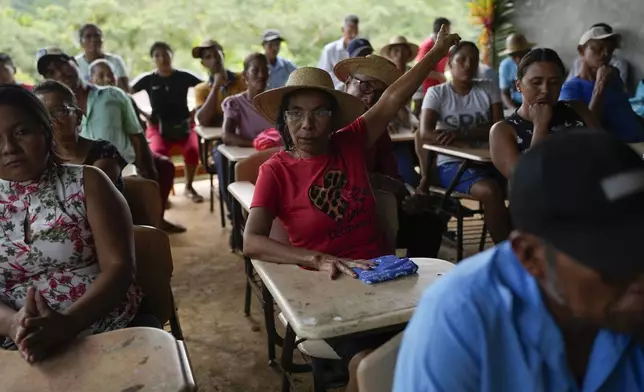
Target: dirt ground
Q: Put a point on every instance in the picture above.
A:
(226, 348)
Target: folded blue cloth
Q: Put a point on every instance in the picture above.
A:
(387, 268)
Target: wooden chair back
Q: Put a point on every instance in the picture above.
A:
(154, 270)
(144, 200)
(387, 208)
(248, 169)
(376, 370)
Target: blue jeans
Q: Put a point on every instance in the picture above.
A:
(405, 158)
(219, 162)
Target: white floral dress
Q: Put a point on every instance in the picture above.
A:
(47, 243)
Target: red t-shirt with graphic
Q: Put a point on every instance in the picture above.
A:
(325, 203)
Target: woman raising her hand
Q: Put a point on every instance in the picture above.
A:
(318, 187)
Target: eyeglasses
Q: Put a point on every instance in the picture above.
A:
(62, 111)
(365, 86)
(299, 115)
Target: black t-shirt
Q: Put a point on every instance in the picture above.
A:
(563, 117)
(168, 95)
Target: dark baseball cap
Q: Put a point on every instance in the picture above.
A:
(583, 192)
(45, 55)
(359, 46)
(271, 35)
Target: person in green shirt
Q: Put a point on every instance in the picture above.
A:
(110, 116)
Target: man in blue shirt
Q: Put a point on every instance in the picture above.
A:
(279, 68)
(599, 86)
(558, 307)
(516, 46)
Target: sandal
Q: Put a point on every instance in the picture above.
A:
(193, 195)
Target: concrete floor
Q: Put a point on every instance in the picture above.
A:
(226, 348)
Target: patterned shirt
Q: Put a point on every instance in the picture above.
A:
(47, 243)
(563, 117)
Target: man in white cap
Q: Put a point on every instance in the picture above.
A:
(279, 68)
(616, 61)
(516, 46)
(599, 86)
(336, 51)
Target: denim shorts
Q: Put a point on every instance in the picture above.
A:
(472, 175)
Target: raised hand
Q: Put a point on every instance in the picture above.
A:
(604, 74)
(445, 40)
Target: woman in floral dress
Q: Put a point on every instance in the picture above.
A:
(66, 250)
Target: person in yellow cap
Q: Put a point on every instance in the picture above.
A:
(222, 83)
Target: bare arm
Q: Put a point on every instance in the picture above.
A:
(124, 84)
(438, 76)
(110, 167)
(111, 224)
(143, 160)
(507, 99)
(503, 148)
(401, 91)
(208, 114)
(258, 245)
(230, 136)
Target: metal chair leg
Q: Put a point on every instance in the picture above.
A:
(175, 326)
(459, 233)
(249, 274)
(212, 194)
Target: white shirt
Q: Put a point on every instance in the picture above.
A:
(115, 60)
(457, 111)
(333, 53)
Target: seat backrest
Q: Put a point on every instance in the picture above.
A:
(154, 270)
(248, 169)
(376, 370)
(387, 208)
(143, 198)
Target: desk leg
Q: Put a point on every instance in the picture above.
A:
(287, 357)
(269, 321)
(223, 186)
(236, 214)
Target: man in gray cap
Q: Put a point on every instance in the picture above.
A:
(279, 68)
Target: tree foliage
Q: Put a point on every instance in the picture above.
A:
(131, 26)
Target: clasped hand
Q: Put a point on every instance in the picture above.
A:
(37, 329)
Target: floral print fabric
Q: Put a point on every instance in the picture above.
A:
(47, 243)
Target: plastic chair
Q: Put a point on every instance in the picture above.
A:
(376, 370)
(142, 196)
(153, 274)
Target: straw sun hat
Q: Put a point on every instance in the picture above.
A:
(400, 40)
(308, 78)
(373, 66)
(516, 43)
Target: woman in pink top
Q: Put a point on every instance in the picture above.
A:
(242, 123)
